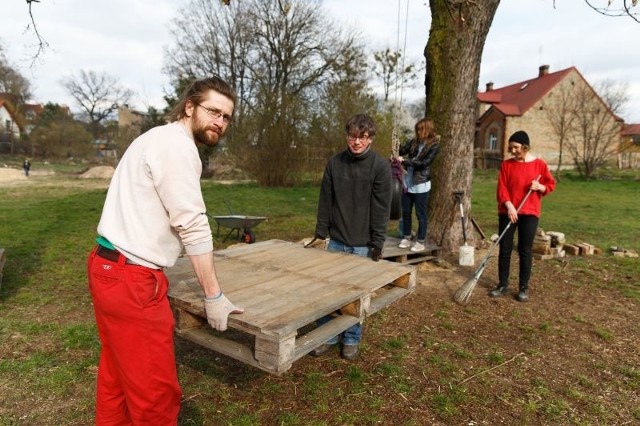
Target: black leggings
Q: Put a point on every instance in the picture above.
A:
(527, 226)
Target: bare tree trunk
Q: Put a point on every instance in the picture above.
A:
(454, 52)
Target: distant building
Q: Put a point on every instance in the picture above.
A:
(129, 119)
(10, 125)
(629, 153)
(528, 105)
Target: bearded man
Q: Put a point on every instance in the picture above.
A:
(153, 210)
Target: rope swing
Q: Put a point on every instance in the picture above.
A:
(397, 171)
(397, 104)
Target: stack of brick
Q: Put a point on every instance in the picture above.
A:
(552, 244)
(557, 243)
(582, 249)
(548, 245)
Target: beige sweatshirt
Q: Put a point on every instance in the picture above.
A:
(154, 205)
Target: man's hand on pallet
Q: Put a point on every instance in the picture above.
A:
(317, 241)
(218, 309)
(376, 253)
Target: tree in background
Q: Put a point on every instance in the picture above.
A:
(98, 95)
(58, 135)
(595, 137)
(281, 57)
(12, 83)
(15, 89)
(392, 70)
(560, 115)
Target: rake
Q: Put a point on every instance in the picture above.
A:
(463, 294)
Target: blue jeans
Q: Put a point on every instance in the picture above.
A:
(421, 202)
(353, 334)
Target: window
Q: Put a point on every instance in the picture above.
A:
(493, 142)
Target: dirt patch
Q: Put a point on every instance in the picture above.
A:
(95, 177)
(98, 172)
(8, 174)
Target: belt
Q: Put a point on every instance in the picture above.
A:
(112, 255)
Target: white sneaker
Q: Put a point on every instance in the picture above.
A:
(417, 247)
(405, 243)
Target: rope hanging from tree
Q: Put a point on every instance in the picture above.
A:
(397, 105)
(397, 171)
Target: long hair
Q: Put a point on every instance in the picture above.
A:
(424, 132)
(196, 93)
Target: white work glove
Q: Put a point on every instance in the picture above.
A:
(218, 310)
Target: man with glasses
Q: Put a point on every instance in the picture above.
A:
(353, 210)
(153, 210)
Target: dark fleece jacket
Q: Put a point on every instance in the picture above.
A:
(355, 199)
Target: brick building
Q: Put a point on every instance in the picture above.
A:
(536, 106)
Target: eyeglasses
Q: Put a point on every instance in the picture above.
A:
(216, 113)
(353, 139)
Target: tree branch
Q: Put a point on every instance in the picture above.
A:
(42, 43)
(629, 8)
(492, 368)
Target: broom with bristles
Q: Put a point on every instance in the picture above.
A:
(463, 294)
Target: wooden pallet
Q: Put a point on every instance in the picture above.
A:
(284, 288)
(395, 254)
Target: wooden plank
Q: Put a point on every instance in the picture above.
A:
(318, 336)
(385, 297)
(224, 346)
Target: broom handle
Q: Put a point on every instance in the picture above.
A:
(464, 229)
(504, 231)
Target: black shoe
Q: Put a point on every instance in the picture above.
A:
(350, 352)
(522, 296)
(322, 349)
(500, 291)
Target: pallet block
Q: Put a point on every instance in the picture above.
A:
(284, 288)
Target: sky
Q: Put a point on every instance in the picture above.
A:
(126, 39)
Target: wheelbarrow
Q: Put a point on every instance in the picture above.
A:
(237, 223)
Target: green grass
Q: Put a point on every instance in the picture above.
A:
(49, 346)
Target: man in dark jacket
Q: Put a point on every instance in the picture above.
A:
(353, 209)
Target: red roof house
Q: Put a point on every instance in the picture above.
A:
(529, 105)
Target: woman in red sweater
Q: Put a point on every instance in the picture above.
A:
(517, 175)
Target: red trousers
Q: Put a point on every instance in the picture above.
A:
(137, 377)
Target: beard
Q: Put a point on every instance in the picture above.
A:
(206, 134)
